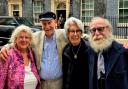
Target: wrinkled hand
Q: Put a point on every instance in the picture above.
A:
(125, 45)
(3, 54)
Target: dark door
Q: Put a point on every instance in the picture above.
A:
(61, 17)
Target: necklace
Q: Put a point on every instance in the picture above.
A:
(75, 54)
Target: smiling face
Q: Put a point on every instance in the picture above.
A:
(99, 30)
(48, 26)
(23, 41)
(74, 34)
(100, 35)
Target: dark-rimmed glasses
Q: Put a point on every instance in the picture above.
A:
(75, 31)
(99, 29)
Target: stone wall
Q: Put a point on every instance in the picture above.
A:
(3, 7)
(27, 10)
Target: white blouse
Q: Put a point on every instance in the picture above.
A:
(30, 81)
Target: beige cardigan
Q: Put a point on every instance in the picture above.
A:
(39, 42)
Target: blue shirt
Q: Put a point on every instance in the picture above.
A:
(50, 66)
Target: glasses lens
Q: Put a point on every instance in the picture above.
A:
(73, 31)
(77, 31)
(99, 29)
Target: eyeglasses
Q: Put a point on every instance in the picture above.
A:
(99, 29)
(75, 31)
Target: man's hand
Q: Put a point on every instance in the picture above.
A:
(3, 54)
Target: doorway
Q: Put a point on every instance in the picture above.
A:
(61, 17)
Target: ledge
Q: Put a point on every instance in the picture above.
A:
(123, 41)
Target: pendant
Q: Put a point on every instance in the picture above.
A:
(75, 56)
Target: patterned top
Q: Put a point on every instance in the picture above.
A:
(12, 72)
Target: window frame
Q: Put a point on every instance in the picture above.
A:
(90, 11)
(123, 14)
(38, 6)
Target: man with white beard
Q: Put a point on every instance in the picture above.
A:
(110, 67)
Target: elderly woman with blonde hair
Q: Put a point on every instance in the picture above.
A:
(19, 71)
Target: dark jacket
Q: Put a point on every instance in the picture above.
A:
(116, 67)
(75, 71)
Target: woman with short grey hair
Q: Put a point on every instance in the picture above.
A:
(75, 57)
(73, 20)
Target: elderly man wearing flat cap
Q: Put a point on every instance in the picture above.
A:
(48, 47)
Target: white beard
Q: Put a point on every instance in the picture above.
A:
(101, 43)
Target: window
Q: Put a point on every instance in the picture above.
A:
(123, 11)
(15, 10)
(87, 10)
(37, 9)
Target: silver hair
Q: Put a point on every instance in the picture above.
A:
(18, 30)
(107, 22)
(73, 20)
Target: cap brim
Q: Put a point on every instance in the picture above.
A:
(45, 19)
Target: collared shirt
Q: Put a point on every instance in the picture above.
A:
(50, 66)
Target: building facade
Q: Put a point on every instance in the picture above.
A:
(82, 9)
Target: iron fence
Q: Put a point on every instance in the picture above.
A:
(120, 30)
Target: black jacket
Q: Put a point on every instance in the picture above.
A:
(116, 67)
(75, 71)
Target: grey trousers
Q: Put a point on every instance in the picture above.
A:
(51, 84)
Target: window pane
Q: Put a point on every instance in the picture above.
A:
(87, 10)
(91, 5)
(121, 20)
(83, 13)
(83, 6)
(91, 13)
(89, 1)
(87, 13)
(121, 4)
(126, 4)
(126, 19)
(123, 15)
(83, 19)
(15, 7)
(37, 9)
(88, 19)
(87, 6)
(121, 12)
(83, 1)
(126, 12)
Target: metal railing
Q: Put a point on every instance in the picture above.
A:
(120, 30)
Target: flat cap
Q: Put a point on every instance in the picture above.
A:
(47, 16)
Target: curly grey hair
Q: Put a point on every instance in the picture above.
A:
(73, 20)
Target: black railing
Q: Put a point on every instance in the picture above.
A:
(120, 30)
